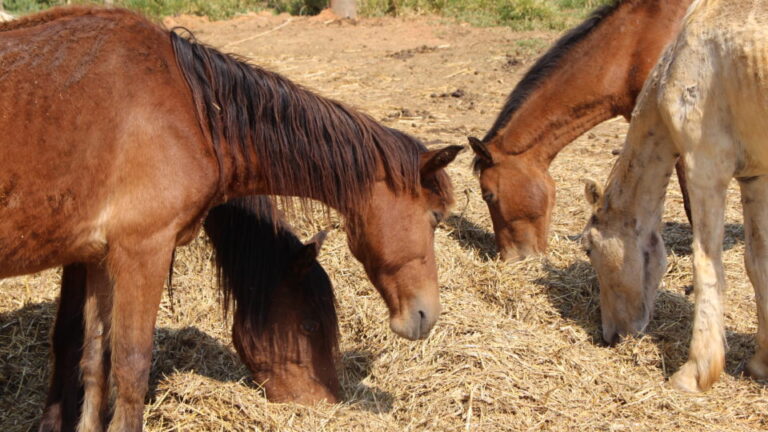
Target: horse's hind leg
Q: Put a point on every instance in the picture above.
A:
(754, 199)
(62, 406)
(139, 272)
(95, 359)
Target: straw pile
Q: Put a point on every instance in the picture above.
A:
(517, 347)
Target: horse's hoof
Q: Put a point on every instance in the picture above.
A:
(757, 368)
(51, 420)
(686, 379)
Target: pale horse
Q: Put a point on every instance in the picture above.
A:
(706, 100)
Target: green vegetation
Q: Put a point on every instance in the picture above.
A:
(215, 9)
(518, 14)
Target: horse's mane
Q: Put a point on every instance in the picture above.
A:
(548, 63)
(303, 142)
(253, 255)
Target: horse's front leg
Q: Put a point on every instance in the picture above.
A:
(754, 200)
(62, 406)
(683, 181)
(138, 269)
(707, 186)
(94, 363)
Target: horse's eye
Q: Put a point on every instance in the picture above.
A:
(489, 197)
(310, 326)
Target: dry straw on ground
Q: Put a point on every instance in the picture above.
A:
(517, 347)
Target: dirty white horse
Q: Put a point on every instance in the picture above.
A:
(707, 100)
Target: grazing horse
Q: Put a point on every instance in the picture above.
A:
(707, 103)
(284, 327)
(119, 136)
(593, 73)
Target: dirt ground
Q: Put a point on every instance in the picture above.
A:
(518, 345)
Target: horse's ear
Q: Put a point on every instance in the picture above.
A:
(592, 191)
(308, 253)
(481, 150)
(434, 160)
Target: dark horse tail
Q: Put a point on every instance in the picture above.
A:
(255, 257)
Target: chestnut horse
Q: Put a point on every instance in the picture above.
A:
(284, 327)
(118, 137)
(593, 73)
(706, 103)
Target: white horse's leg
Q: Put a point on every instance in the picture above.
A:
(754, 199)
(708, 183)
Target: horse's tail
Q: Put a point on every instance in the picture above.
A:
(253, 253)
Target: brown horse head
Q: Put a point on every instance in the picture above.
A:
(284, 326)
(592, 73)
(520, 195)
(295, 357)
(629, 266)
(393, 238)
(391, 191)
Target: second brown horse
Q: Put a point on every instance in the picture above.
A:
(593, 73)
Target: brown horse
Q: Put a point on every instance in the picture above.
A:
(284, 327)
(593, 73)
(119, 136)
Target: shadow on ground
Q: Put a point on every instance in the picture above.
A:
(574, 293)
(678, 237)
(356, 366)
(25, 353)
(472, 236)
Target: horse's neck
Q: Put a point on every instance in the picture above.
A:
(597, 79)
(638, 182)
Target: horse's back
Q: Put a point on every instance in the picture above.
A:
(735, 36)
(96, 127)
(713, 80)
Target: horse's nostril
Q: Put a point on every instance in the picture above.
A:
(422, 314)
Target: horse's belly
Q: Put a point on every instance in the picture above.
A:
(745, 80)
(44, 223)
(35, 248)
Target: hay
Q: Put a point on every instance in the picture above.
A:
(517, 347)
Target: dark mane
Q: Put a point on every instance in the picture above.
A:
(253, 256)
(303, 142)
(547, 63)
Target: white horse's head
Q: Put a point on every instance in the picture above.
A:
(629, 266)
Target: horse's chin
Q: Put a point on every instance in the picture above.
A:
(291, 382)
(514, 254)
(416, 319)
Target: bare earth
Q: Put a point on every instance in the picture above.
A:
(518, 345)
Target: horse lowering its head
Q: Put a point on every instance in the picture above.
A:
(131, 134)
(593, 73)
(631, 266)
(391, 190)
(284, 326)
(706, 102)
